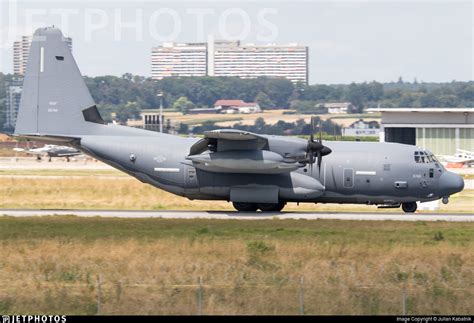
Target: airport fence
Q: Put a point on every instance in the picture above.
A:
(101, 296)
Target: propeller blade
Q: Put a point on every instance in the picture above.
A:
(320, 158)
(320, 132)
(316, 149)
(313, 126)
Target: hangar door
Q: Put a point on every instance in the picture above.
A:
(401, 135)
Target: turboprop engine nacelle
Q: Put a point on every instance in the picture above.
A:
(241, 161)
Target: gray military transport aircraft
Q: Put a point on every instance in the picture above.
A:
(250, 170)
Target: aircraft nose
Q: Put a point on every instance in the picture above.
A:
(450, 183)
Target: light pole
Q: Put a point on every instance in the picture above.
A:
(160, 95)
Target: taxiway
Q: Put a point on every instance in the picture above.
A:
(232, 215)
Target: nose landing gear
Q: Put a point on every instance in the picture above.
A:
(409, 207)
(445, 200)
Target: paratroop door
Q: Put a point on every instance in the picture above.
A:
(348, 177)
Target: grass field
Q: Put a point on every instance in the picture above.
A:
(270, 116)
(4, 137)
(63, 172)
(123, 192)
(152, 266)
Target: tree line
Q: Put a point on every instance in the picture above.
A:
(297, 128)
(122, 98)
(273, 93)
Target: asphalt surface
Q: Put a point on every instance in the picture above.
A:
(376, 216)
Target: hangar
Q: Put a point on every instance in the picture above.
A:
(440, 130)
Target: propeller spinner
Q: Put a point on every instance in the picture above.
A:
(316, 149)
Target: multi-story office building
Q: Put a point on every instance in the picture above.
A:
(182, 59)
(20, 55)
(230, 58)
(251, 61)
(21, 50)
(13, 97)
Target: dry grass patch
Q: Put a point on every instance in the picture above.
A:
(152, 266)
(128, 193)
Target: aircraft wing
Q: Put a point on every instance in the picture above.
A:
(32, 152)
(232, 134)
(458, 160)
(69, 154)
(228, 139)
(467, 152)
(235, 151)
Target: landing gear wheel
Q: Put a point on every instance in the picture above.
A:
(245, 207)
(271, 207)
(409, 207)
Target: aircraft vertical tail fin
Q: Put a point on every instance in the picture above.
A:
(55, 99)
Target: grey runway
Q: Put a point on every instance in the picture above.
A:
(228, 215)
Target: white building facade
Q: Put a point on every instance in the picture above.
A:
(230, 58)
(252, 61)
(181, 59)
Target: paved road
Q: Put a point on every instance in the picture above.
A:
(379, 216)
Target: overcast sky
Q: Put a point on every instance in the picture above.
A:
(348, 40)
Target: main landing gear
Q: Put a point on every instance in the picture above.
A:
(264, 207)
(409, 207)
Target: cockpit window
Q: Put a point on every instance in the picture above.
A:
(425, 157)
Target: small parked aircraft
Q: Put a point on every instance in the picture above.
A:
(51, 151)
(464, 157)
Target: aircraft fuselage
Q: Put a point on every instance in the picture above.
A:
(355, 172)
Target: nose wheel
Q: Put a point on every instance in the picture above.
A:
(409, 207)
